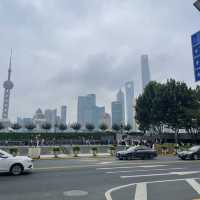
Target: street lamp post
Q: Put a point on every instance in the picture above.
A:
(197, 4)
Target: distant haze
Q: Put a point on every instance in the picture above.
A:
(66, 48)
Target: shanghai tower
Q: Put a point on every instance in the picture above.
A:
(145, 70)
(8, 86)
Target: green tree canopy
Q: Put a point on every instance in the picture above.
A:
(30, 127)
(1, 126)
(103, 127)
(62, 127)
(16, 126)
(127, 127)
(116, 127)
(76, 126)
(90, 127)
(46, 126)
(172, 104)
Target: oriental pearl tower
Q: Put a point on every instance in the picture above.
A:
(8, 86)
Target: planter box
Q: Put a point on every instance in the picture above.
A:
(34, 152)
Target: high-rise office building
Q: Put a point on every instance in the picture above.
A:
(51, 116)
(63, 117)
(24, 121)
(98, 115)
(129, 87)
(85, 108)
(88, 112)
(120, 98)
(145, 70)
(117, 112)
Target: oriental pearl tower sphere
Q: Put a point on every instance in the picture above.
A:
(8, 86)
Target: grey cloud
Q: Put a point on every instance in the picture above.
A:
(67, 48)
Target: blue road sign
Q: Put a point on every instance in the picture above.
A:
(196, 54)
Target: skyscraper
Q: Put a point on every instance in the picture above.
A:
(117, 116)
(86, 105)
(145, 70)
(51, 116)
(63, 117)
(120, 98)
(8, 85)
(98, 115)
(129, 87)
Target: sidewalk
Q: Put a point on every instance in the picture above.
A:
(81, 155)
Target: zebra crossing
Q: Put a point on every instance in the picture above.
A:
(174, 182)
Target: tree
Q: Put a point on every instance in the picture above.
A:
(191, 120)
(30, 127)
(127, 127)
(16, 126)
(76, 126)
(179, 100)
(116, 127)
(90, 127)
(149, 109)
(103, 127)
(172, 104)
(62, 127)
(56, 126)
(46, 126)
(1, 126)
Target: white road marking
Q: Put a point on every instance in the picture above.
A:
(142, 170)
(164, 174)
(141, 191)
(109, 192)
(104, 163)
(194, 184)
(131, 167)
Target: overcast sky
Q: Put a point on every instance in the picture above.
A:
(66, 48)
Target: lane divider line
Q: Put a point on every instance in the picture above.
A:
(163, 174)
(141, 191)
(142, 170)
(130, 167)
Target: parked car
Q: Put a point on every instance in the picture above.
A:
(15, 165)
(192, 154)
(136, 152)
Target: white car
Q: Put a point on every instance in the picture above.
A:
(15, 165)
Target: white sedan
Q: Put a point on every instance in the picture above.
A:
(15, 165)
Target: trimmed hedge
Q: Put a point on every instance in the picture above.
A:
(50, 136)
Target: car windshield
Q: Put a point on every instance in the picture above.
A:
(194, 149)
(4, 154)
(131, 149)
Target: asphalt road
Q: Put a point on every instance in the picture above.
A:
(105, 179)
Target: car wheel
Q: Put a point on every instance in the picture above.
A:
(195, 157)
(16, 170)
(150, 156)
(144, 157)
(129, 157)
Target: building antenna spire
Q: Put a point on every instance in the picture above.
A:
(10, 65)
(8, 86)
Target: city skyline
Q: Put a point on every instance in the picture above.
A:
(55, 62)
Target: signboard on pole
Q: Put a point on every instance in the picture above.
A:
(196, 54)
